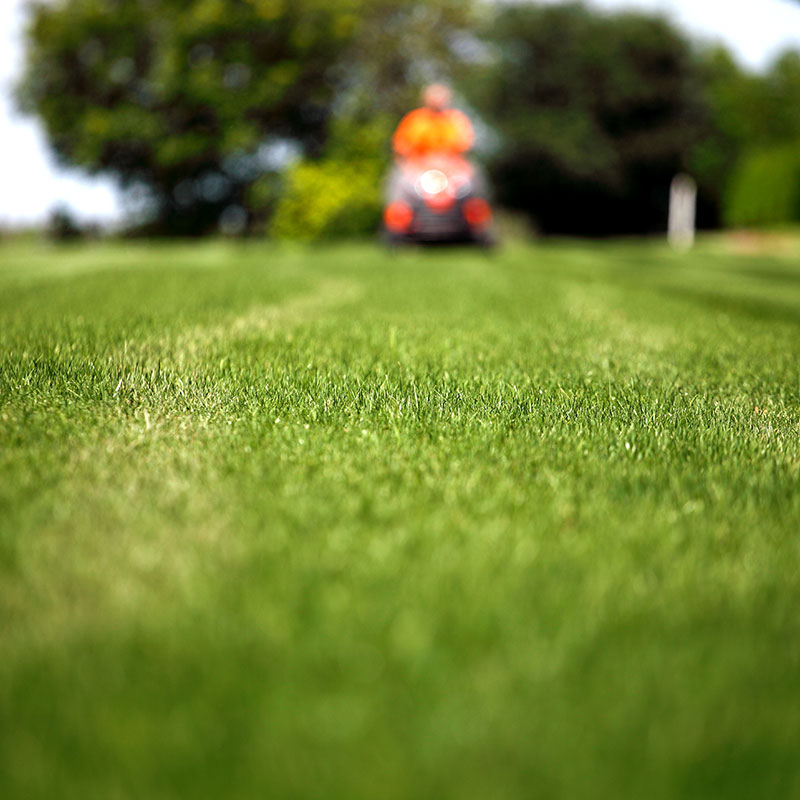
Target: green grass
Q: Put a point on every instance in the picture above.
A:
(302, 523)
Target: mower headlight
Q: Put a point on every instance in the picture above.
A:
(434, 181)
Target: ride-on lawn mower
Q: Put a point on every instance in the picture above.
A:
(437, 200)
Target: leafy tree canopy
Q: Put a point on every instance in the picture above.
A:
(597, 112)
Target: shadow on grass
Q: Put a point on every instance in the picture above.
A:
(750, 307)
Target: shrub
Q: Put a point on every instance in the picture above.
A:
(765, 188)
(329, 199)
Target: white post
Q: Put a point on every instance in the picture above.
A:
(682, 206)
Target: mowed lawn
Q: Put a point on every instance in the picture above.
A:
(332, 523)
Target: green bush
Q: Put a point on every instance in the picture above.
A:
(329, 199)
(765, 188)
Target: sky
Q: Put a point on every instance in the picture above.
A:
(31, 183)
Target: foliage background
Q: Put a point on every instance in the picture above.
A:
(205, 107)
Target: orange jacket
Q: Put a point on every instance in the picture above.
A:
(423, 131)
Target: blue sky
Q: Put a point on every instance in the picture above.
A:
(31, 183)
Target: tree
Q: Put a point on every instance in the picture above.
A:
(596, 112)
(750, 140)
(399, 47)
(178, 95)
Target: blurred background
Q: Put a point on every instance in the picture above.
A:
(273, 117)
